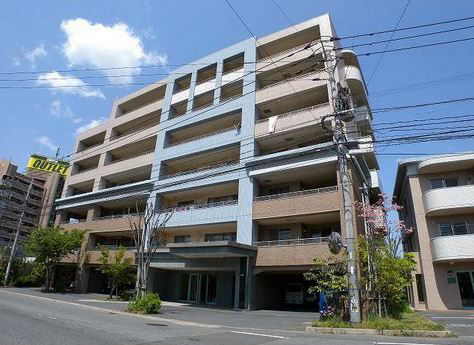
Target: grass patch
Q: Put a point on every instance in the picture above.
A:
(149, 304)
(408, 321)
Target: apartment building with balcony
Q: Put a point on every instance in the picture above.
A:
(31, 194)
(436, 193)
(232, 148)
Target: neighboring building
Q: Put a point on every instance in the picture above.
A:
(236, 152)
(437, 195)
(32, 193)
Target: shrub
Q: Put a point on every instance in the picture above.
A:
(127, 295)
(148, 304)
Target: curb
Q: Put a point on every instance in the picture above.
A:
(389, 332)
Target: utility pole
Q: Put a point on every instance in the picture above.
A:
(344, 112)
(17, 234)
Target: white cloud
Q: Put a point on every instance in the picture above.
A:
(101, 46)
(16, 61)
(58, 110)
(46, 141)
(92, 124)
(67, 83)
(35, 53)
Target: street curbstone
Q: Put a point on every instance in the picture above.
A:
(389, 332)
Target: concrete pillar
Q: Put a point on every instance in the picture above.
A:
(237, 288)
(249, 285)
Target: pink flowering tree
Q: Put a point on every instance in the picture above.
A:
(385, 271)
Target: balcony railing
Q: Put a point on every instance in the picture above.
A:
(199, 206)
(208, 167)
(112, 247)
(84, 170)
(284, 52)
(300, 76)
(75, 221)
(294, 112)
(292, 242)
(296, 194)
(135, 155)
(228, 129)
(117, 216)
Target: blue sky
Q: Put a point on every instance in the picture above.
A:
(58, 35)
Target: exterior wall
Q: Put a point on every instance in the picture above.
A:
(290, 255)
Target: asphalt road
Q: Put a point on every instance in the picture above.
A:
(29, 318)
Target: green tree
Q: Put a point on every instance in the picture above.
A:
(329, 276)
(391, 276)
(117, 271)
(49, 245)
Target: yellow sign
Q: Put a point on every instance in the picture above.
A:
(48, 165)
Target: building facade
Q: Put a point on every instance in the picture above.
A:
(436, 193)
(26, 200)
(230, 146)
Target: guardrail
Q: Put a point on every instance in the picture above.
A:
(199, 206)
(296, 194)
(291, 242)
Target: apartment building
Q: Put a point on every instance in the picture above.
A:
(231, 148)
(437, 195)
(32, 193)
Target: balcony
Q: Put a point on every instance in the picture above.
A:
(291, 252)
(107, 223)
(297, 203)
(203, 142)
(452, 248)
(207, 213)
(309, 116)
(93, 256)
(290, 86)
(449, 200)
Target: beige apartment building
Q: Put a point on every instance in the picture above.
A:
(26, 200)
(232, 147)
(437, 195)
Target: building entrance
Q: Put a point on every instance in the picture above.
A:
(198, 288)
(466, 289)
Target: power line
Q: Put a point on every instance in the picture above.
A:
(403, 29)
(388, 43)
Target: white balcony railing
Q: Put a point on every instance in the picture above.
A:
(451, 248)
(296, 194)
(449, 200)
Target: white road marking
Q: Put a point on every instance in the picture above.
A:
(52, 317)
(383, 343)
(452, 317)
(458, 325)
(260, 334)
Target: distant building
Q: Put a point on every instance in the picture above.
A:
(26, 200)
(437, 195)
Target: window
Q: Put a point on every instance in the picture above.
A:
(229, 236)
(280, 234)
(453, 228)
(420, 288)
(182, 239)
(444, 182)
(460, 228)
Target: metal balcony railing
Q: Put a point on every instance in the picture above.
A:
(292, 242)
(199, 206)
(296, 194)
